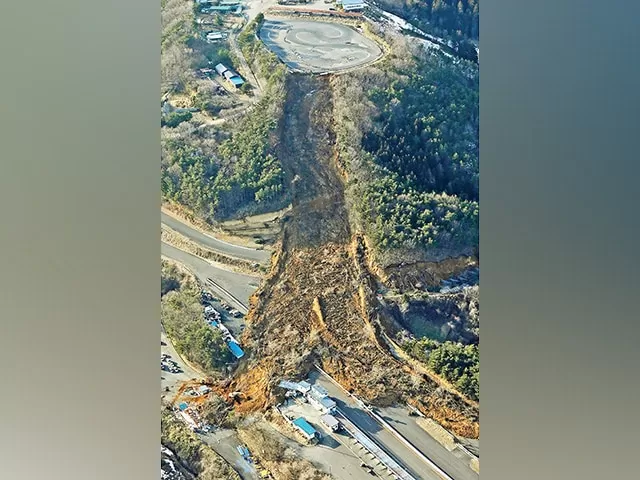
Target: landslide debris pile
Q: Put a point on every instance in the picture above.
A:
(318, 302)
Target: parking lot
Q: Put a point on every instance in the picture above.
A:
(337, 452)
(216, 309)
(318, 46)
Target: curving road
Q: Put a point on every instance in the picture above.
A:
(240, 285)
(246, 253)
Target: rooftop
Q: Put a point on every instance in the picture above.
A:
(327, 402)
(303, 425)
(236, 350)
(329, 420)
(320, 391)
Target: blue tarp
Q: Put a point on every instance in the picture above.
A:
(303, 425)
(237, 81)
(235, 349)
(183, 406)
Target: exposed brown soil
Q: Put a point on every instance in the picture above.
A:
(318, 303)
(407, 276)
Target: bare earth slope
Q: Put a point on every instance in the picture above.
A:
(318, 303)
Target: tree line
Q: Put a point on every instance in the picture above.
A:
(183, 319)
(417, 175)
(457, 363)
(454, 18)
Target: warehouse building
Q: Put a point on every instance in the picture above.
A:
(319, 398)
(306, 429)
(351, 5)
(220, 69)
(330, 422)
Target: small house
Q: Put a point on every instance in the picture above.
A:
(330, 422)
(305, 428)
(236, 81)
(229, 74)
(214, 36)
(328, 404)
(220, 69)
(319, 391)
(352, 5)
(304, 387)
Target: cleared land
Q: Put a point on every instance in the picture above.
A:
(318, 46)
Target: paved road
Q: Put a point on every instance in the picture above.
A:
(318, 46)
(260, 256)
(239, 285)
(371, 427)
(455, 463)
(337, 453)
(173, 380)
(224, 442)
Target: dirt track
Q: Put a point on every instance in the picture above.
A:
(318, 304)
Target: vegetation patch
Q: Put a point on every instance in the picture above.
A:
(183, 319)
(283, 463)
(408, 140)
(457, 363)
(199, 457)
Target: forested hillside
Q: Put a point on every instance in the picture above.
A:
(442, 17)
(216, 169)
(219, 174)
(414, 176)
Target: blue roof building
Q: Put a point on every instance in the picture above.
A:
(307, 430)
(236, 81)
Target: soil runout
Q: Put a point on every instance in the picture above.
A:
(322, 265)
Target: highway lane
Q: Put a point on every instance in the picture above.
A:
(240, 285)
(455, 463)
(385, 439)
(246, 253)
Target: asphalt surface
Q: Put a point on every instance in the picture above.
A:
(318, 46)
(337, 453)
(224, 442)
(455, 463)
(385, 439)
(173, 380)
(258, 256)
(239, 285)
